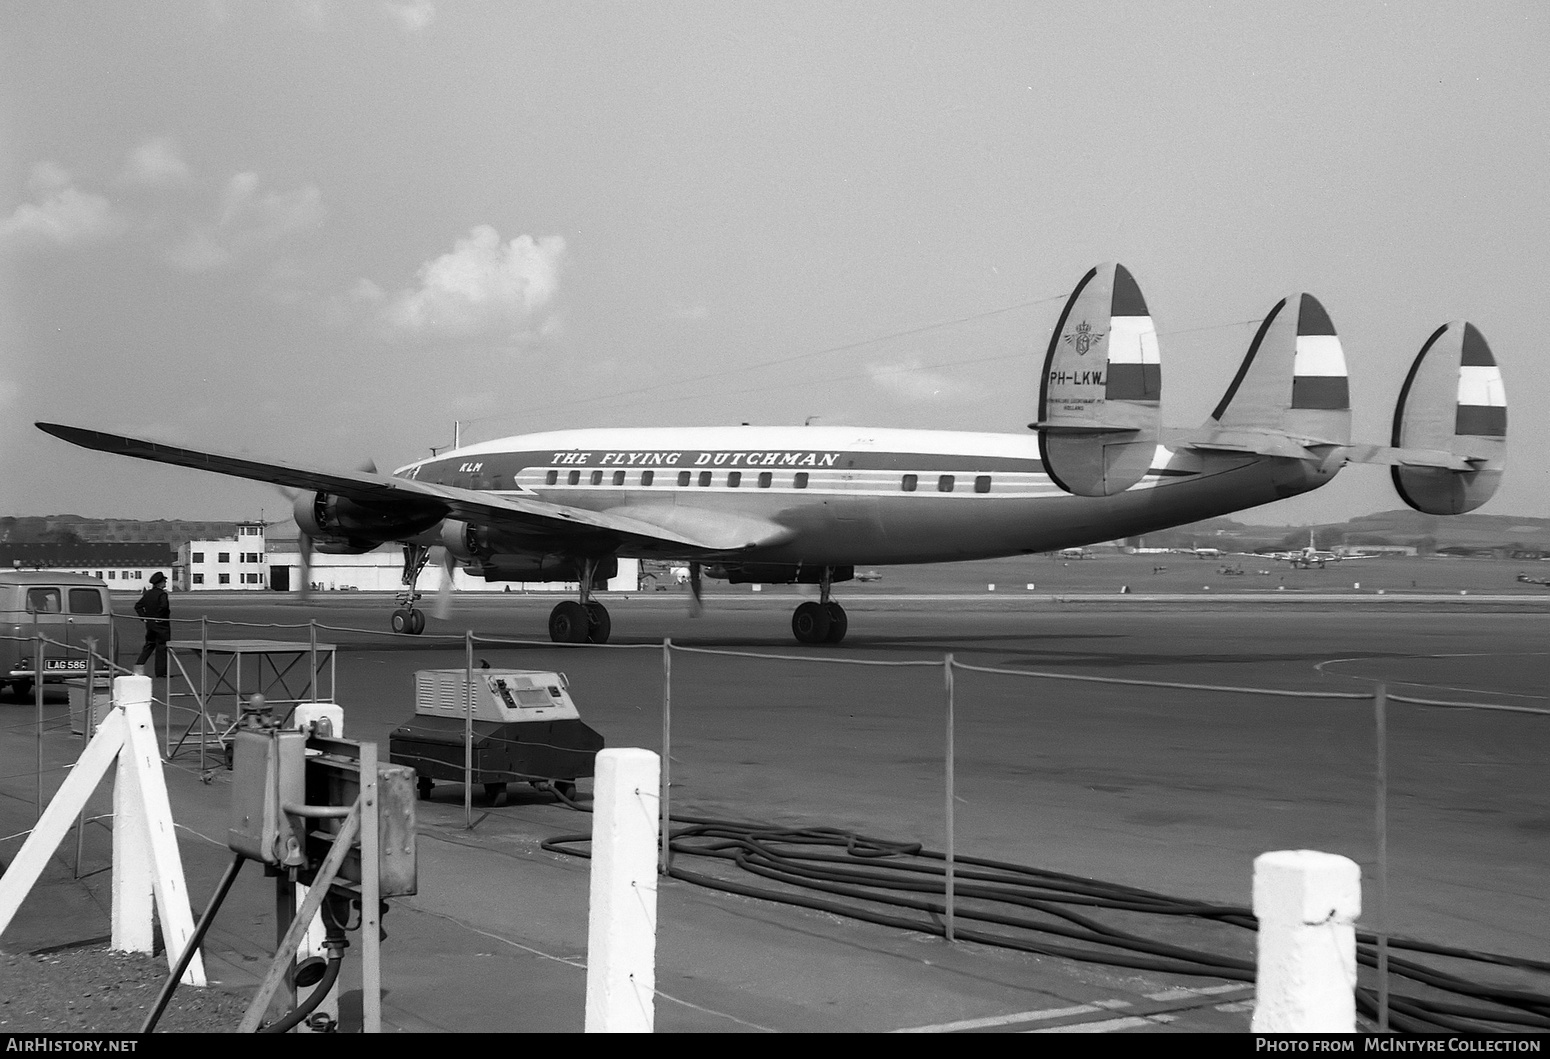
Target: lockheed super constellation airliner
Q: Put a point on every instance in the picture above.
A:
(784, 505)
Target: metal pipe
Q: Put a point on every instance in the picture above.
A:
(193, 943)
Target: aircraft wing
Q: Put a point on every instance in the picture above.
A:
(542, 525)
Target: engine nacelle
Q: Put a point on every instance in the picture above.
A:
(341, 526)
(467, 542)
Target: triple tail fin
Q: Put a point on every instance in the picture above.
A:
(1101, 390)
(1449, 442)
(1291, 396)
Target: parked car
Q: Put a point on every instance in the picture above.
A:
(68, 609)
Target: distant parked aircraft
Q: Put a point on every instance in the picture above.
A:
(1201, 553)
(1311, 556)
(1527, 580)
(1075, 553)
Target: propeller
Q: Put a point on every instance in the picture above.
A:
(442, 610)
(304, 542)
(304, 546)
(696, 591)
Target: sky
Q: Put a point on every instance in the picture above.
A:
(326, 232)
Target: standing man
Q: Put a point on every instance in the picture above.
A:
(154, 606)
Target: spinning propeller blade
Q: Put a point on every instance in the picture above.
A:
(442, 609)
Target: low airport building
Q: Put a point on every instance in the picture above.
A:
(125, 567)
(382, 570)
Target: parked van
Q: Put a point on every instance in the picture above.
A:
(66, 608)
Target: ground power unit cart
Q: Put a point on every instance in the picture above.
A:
(526, 729)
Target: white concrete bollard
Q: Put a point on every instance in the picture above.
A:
(1307, 904)
(622, 924)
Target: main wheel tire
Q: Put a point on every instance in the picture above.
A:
(21, 688)
(599, 624)
(838, 623)
(416, 622)
(423, 787)
(493, 792)
(400, 620)
(569, 623)
(810, 623)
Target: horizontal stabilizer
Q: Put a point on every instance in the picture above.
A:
(1449, 442)
(1100, 392)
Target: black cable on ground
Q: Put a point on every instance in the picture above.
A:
(903, 886)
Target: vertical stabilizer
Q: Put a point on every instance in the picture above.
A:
(1101, 389)
(1453, 403)
(1293, 381)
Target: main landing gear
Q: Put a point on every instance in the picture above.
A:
(584, 620)
(823, 621)
(406, 619)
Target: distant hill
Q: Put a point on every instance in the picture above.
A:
(1506, 536)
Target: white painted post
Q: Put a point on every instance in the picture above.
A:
(132, 695)
(622, 925)
(134, 899)
(1307, 904)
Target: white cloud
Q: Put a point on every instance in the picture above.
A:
(249, 221)
(483, 287)
(914, 383)
(156, 163)
(60, 214)
(411, 17)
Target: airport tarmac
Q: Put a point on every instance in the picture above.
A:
(1171, 789)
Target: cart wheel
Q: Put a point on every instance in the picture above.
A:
(423, 785)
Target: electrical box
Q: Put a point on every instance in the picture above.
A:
(501, 696)
(334, 778)
(524, 729)
(268, 771)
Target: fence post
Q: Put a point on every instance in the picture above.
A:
(667, 748)
(37, 702)
(947, 672)
(468, 729)
(1380, 699)
(1307, 904)
(622, 919)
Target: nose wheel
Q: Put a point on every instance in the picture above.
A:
(409, 621)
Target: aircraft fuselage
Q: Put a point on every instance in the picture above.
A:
(842, 496)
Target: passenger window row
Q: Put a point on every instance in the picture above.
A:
(734, 479)
(945, 483)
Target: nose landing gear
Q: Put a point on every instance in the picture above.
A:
(406, 619)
